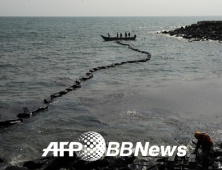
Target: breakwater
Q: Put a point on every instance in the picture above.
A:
(201, 31)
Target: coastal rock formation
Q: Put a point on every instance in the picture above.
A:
(66, 162)
(201, 31)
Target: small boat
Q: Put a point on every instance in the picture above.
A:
(118, 38)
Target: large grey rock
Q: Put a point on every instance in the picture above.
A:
(15, 168)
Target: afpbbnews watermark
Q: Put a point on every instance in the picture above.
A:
(92, 146)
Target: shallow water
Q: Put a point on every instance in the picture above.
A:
(162, 101)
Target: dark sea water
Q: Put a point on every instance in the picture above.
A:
(162, 101)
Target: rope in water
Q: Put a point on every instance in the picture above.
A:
(76, 85)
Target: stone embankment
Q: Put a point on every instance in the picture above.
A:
(201, 31)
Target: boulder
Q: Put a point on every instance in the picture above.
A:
(35, 164)
(15, 168)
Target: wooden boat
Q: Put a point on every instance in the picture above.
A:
(118, 38)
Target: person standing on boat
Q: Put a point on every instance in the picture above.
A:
(125, 34)
(120, 35)
(129, 34)
(108, 35)
(117, 35)
(206, 144)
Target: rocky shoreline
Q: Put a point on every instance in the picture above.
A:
(74, 163)
(201, 31)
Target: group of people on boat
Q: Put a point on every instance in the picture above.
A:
(121, 35)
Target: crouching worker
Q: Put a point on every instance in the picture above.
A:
(207, 146)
